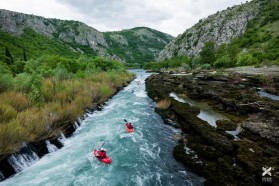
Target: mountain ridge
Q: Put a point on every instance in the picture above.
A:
(79, 37)
(220, 27)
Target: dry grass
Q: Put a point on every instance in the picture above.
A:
(48, 90)
(11, 138)
(164, 104)
(105, 91)
(35, 123)
(17, 100)
(64, 102)
(7, 113)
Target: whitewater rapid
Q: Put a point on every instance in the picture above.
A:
(141, 158)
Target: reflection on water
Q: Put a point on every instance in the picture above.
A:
(262, 93)
(206, 111)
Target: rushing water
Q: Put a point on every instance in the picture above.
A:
(140, 158)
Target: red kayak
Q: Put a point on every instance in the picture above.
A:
(130, 130)
(106, 159)
(129, 127)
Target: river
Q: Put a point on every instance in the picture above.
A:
(140, 158)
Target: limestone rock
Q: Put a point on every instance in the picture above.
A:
(220, 28)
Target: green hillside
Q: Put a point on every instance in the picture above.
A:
(35, 45)
(259, 44)
(137, 45)
(38, 35)
(211, 44)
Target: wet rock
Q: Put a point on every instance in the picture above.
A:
(208, 152)
(189, 115)
(226, 125)
(215, 154)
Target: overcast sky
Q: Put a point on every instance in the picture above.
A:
(169, 16)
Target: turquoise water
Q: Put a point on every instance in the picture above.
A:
(140, 158)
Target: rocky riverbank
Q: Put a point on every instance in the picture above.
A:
(235, 150)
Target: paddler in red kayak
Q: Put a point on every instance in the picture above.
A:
(101, 153)
(129, 125)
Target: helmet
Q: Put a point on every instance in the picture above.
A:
(102, 148)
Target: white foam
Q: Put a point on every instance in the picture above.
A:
(21, 161)
(76, 126)
(2, 177)
(183, 172)
(62, 138)
(141, 93)
(128, 135)
(50, 147)
(158, 178)
(173, 95)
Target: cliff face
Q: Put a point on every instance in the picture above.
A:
(66, 31)
(127, 45)
(220, 28)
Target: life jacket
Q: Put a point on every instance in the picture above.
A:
(102, 154)
(129, 126)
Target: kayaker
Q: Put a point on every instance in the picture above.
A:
(129, 125)
(101, 153)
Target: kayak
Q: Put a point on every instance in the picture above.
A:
(106, 159)
(129, 130)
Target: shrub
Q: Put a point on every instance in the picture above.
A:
(205, 66)
(245, 59)
(31, 66)
(23, 82)
(223, 61)
(6, 82)
(186, 67)
(61, 72)
(105, 64)
(4, 68)
(196, 61)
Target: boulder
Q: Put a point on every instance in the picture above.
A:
(226, 125)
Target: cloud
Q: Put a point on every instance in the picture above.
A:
(45, 8)
(170, 16)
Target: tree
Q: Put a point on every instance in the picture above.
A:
(24, 55)
(207, 53)
(245, 59)
(9, 55)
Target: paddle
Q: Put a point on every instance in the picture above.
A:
(102, 145)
